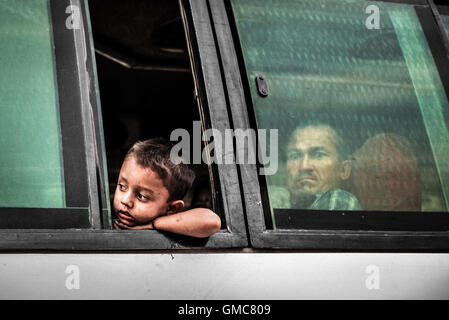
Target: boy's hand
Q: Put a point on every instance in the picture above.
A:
(120, 226)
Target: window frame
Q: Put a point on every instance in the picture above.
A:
(439, 11)
(206, 87)
(79, 147)
(219, 89)
(211, 96)
(79, 211)
(263, 237)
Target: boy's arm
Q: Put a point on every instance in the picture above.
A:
(197, 222)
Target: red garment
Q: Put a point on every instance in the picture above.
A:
(385, 175)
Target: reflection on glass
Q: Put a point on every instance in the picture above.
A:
(30, 164)
(361, 113)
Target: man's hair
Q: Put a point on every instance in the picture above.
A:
(155, 154)
(341, 146)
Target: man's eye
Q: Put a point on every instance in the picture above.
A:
(319, 154)
(293, 156)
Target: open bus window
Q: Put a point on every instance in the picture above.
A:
(145, 81)
(360, 109)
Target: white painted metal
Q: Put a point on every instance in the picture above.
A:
(226, 276)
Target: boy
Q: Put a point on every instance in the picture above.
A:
(149, 192)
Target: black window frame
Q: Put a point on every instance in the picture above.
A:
(212, 100)
(77, 52)
(80, 210)
(262, 236)
(439, 11)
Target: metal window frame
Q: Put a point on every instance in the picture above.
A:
(78, 207)
(223, 104)
(82, 202)
(96, 115)
(260, 235)
(97, 239)
(213, 103)
(437, 15)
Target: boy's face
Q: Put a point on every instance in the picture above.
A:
(140, 195)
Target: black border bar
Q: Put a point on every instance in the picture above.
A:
(361, 220)
(48, 218)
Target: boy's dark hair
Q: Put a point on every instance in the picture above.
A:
(155, 154)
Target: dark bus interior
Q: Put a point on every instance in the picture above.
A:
(145, 81)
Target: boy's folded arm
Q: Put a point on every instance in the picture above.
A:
(197, 222)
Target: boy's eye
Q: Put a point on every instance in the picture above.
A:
(141, 197)
(121, 187)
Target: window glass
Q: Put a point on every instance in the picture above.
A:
(357, 100)
(31, 168)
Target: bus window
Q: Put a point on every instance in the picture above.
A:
(355, 92)
(41, 131)
(145, 86)
(31, 165)
(63, 151)
(147, 91)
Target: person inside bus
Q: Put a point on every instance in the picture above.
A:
(385, 174)
(202, 196)
(149, 192)
(317, 165)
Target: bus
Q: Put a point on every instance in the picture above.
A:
(82, 81)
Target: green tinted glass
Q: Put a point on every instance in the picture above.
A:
(31, 168)
(357, 100)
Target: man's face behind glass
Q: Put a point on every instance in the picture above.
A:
(313, 165)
